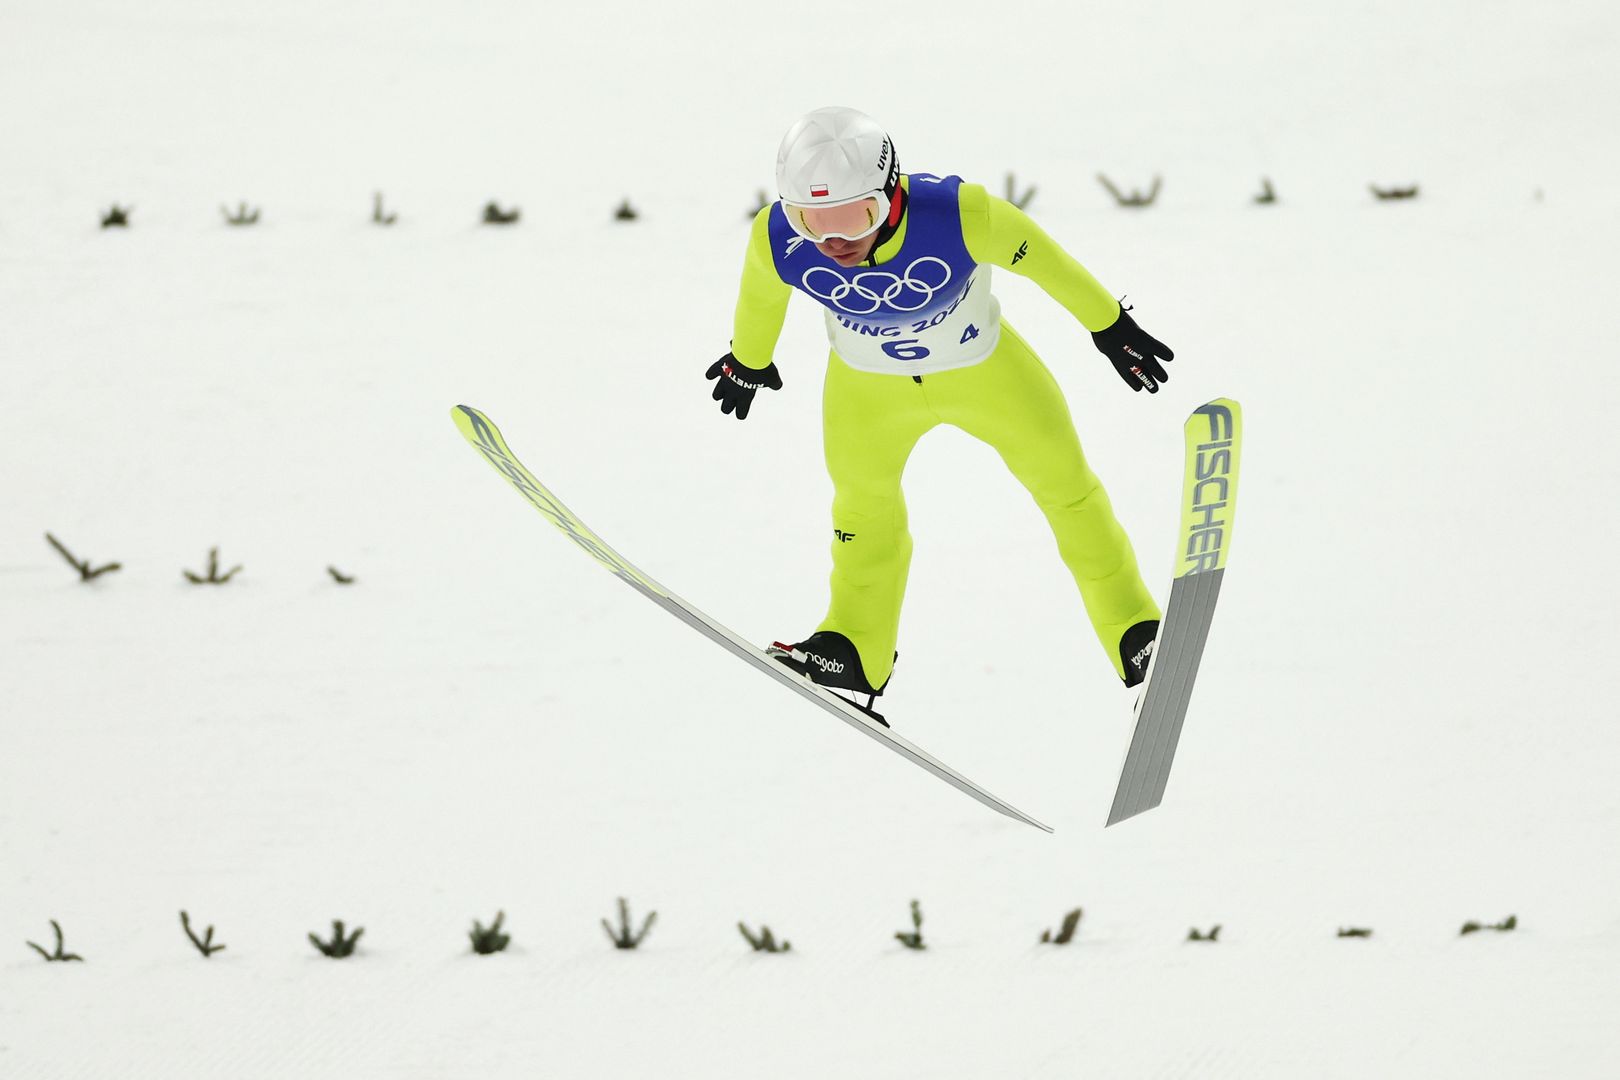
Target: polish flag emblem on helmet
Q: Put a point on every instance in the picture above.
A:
(818, 191)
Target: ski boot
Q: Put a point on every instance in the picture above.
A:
(1136, 650)
(828, 659)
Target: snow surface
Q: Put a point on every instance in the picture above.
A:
(1405, 718)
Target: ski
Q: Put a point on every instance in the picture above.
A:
(1213, 438)
(486, 439)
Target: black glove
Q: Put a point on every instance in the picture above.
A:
(736, 384)
(1135, 353)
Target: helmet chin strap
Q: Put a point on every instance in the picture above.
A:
(886, 231)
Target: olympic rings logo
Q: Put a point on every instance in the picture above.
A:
(874, 288)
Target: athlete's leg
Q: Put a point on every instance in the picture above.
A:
(1012, 402)
(870, 423)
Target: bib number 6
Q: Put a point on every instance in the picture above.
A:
(905, 349)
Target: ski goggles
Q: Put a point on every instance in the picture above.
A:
(854, 220)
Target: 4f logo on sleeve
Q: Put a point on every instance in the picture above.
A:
(1023, 249)
(842, 536)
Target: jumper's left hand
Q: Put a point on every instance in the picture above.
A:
(1138, 356)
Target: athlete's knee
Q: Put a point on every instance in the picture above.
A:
(1076, 492)
(869, 503)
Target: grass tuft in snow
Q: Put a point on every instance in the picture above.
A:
(59, 954)
(1065, 934)
(914, 939)
(116, 217)
(205, 945)
(764, 941)
(1389, 193)
(1268, 194)
(1020, 200)
(1136, 198)
(494, 215)
(339, 576)
(487, 940)
(626, 212)
(213, 576)
(378, 215)
(1355, 932)
(81, 565)
(623, 938)
(242, 215)
(1507, 924)
(1214, 934)
(342, 945)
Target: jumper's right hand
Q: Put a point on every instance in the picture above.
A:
(735, 384)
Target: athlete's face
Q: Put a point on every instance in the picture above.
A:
(847, 252)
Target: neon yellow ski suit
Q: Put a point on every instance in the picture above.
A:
(872, 420)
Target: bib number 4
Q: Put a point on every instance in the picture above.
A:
(912, 349)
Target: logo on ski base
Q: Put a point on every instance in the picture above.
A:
(1211, 490)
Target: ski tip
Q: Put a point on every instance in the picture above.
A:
(474, 425)
(1221, 412)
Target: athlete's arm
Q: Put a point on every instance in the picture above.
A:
(999, 234)
(761, 300)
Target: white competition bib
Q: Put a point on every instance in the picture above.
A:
(928, 308)
(911, 320)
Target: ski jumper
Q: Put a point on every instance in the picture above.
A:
(917, 341)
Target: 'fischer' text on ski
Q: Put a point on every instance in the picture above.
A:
(1212, 476)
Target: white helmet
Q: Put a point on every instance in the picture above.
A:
(836, 156)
